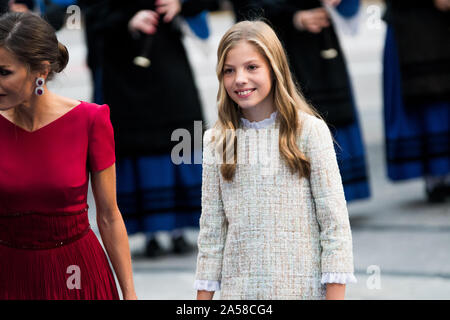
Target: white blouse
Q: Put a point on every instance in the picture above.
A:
(213, 285)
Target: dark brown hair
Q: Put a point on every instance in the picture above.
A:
(32, 40)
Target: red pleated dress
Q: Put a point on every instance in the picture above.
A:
(47, 248)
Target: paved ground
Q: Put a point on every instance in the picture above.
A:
(396, 234)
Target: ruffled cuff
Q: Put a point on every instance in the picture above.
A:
(207, 285)
(338, 277)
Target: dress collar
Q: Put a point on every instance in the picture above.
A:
(260, 124)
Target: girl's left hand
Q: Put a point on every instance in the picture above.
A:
(332, 3)
(335, 291)
(168, 8)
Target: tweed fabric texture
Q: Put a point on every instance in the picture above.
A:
(269, 234)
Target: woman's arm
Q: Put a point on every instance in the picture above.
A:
(112, 229)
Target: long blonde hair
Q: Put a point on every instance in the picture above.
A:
(287, 98)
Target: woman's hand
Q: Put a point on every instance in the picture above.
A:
(313, 20)
(168, 8)
(145, 21)
(443, 5)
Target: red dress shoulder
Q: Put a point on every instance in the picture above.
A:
(47, 169)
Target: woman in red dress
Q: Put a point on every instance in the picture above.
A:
(48, 147)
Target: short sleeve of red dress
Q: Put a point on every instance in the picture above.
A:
(101, 150)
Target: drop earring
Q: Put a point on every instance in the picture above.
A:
(39, 91)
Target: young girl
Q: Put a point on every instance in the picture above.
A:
(282, 233)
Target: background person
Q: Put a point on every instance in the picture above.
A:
(147, 105)
(416, 83)
(319, 66)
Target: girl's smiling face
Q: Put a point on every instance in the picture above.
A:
(247, 79)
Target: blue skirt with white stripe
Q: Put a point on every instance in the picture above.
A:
(417, 138)
(351, 158)
(154, 194)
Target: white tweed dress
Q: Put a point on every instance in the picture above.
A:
(269, 234)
